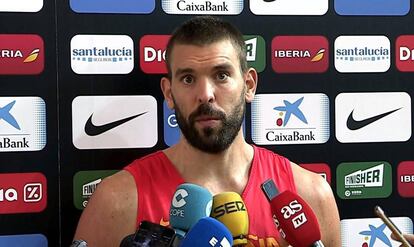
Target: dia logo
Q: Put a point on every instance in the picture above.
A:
(152, 53)
(404, 53)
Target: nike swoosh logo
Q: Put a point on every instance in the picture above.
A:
(94, 130)
(353, 124)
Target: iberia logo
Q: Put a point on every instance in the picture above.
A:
(21, 54)
(300, 54)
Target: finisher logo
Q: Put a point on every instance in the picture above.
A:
(21, 54)
(256, 51)
(364, 180)
(212, 7)
(362, 54)
(22, 193)
(102, 54)
(22, 124)
(290, 119)
(85, 183)
(300, 54)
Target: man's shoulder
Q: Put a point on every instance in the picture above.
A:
(310, 185)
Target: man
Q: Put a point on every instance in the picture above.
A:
(208, 86)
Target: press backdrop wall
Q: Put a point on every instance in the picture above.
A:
(73, 87)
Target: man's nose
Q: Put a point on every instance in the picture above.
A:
(205, 90)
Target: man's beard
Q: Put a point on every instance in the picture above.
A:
(212, 140)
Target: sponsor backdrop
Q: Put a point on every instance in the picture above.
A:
(80, 99)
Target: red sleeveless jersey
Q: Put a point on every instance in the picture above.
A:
(156, 179)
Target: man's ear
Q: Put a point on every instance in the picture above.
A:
(251, 84)
(165, 84)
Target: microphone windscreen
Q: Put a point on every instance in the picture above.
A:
(208, 232)
(296, 221)
(189, 204)
(128, 241)
(229, 208)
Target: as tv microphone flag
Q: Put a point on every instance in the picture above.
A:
(189, 204)
(208, 232)
(295, 220)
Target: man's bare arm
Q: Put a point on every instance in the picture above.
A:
(111, 212)
(318, 194)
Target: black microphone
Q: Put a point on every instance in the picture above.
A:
(150, 235)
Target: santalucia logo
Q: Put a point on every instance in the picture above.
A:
(104, 54)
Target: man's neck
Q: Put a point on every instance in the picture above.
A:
(225, 171)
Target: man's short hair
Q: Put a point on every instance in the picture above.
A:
(206, 30)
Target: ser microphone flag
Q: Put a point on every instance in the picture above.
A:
(229, 208)
(208, 232)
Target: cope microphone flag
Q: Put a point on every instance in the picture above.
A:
(189, 204)
(229, 208)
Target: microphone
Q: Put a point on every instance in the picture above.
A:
(229, 208)
(149, 234)
(295, 220)
(189, 204)
(208, 232)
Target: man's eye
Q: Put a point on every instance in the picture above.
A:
(222, 76)
(188, 79)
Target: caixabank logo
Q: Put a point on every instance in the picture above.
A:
(22, 124)
(300, 54)
(290, 118)
(256, 51)
(292, 7)
(372, 7)
(22, 192)
(21, 6)
(85, 184)
(152, 53)
(21, 54)
(113, 6)
(35, 240)
(102, 122)
(360, 54)
(200, 7)
(364, 180)
(102, 54)
(372, 232)
(405, 177)
(404, 53)
(373, 117)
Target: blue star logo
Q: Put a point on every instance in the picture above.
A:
(292, 108)
(6, 116)
(376, 232)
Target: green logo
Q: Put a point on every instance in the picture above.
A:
(362, 180)
(256, 51)
(85, 183)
